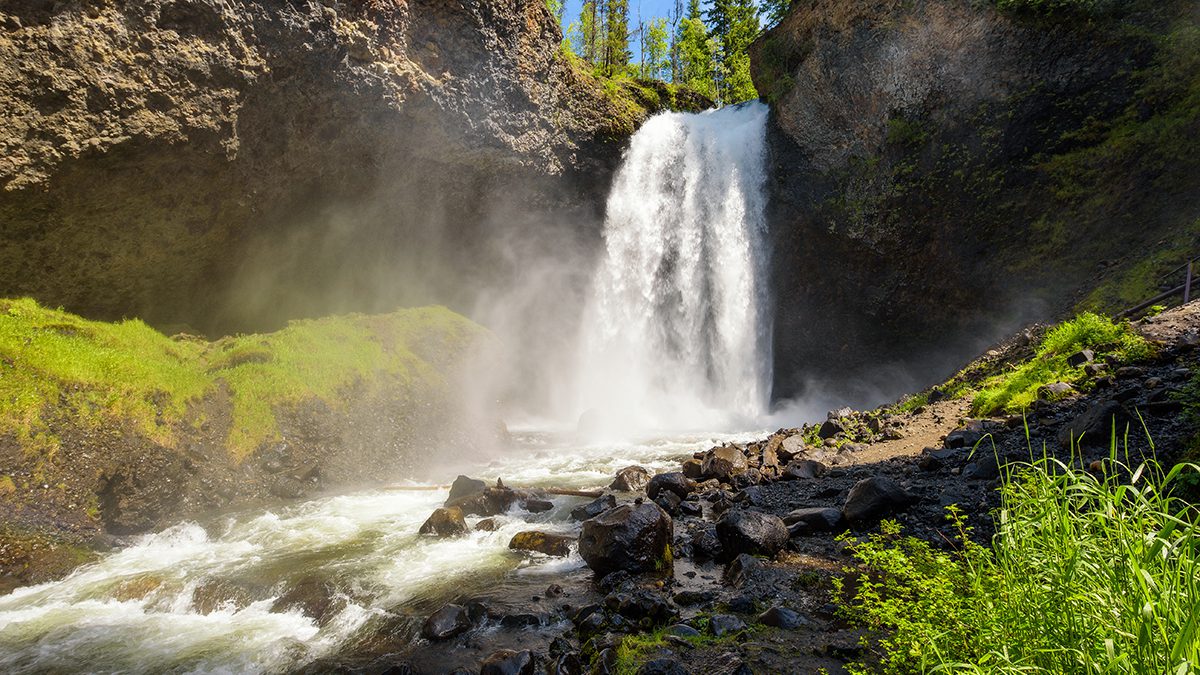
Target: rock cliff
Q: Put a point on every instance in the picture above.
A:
(229, 165)
(943, 168)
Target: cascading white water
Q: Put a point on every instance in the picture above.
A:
(676, 335)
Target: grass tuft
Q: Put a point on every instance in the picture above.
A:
(1087, 574)
(1016, 389)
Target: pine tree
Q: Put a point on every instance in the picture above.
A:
(615, 53)
(655, 58)
(734, 25)
(773, 11)
(696, 52)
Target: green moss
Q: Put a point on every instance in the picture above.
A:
(1016, 389)
(634, 650)
(53, 363)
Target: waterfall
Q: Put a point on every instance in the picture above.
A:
(676, 333)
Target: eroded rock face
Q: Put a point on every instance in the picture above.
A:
(249, 151)
(941, 168)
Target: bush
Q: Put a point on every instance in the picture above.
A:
(1087, 574)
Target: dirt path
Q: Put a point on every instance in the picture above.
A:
(921, 430)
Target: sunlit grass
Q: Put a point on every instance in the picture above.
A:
(53, 363)
(1088, 573)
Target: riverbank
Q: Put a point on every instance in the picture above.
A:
(114, 429)
(757, 555)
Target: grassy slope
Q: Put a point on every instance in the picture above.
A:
(53, 363)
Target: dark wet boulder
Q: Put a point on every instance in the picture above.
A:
(631, 479)
(705, 544)
(724, 462)
(1081, 357)
(594, 507)
(490, 502)
(487, 525)
(830, 428)
(693, 469)
(445, 522)
(569, 663)
(933, 459)
(966, 436)
(673, 481)
(874, 498)
(640, 604)
(691, 508)
(663, 666)
(542, 542)
(746, 479)
(815, 519)
(782, 617)
(985, 467)
(669, 501)
(447, 622)
(508, 662)
(464, 486)
(631, 537)
(741, 569)
(1095, 426)
(803, 469)
(745, 531)
(721, 625)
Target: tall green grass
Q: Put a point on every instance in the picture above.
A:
(1087, 574)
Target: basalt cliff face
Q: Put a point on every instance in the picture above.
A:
(942, 168)
(228, 165)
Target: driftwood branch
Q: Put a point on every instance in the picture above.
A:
(591, 494)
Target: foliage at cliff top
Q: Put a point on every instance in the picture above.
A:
(55, 366)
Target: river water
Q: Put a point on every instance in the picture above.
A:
(202, 598)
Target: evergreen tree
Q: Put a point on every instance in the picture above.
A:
(697, 50)
(734, 25)
(773, 11)
(655, 58)
(585, 33)
(615, 56)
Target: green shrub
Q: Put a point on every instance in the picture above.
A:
(1016, 389)
(1061, 6)
(1087, 574)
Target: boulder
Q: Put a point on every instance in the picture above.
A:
(1054, 391)
(1094, 427)
(669, 501)
(490, 502)
(445, 522)
(724, 624)
(631, 479)
(542, 542)
(800, 469)
(724, 462)
(464, 486)
(594, 507)
(790, 448)
(830, 428)
(815, 519)
(508, 662)
(486, 525)
(447, 622)
(874, 498)
(631, 537)
(537, 504)
(674, 481)
(744, 531)
(1081, 357)
(663, 666)
(693, 469)
(782, 617)
(964, 437)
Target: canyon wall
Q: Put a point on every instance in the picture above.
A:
(944, 170)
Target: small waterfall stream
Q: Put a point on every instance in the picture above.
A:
(676, 335)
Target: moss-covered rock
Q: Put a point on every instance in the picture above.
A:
(116, 427)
